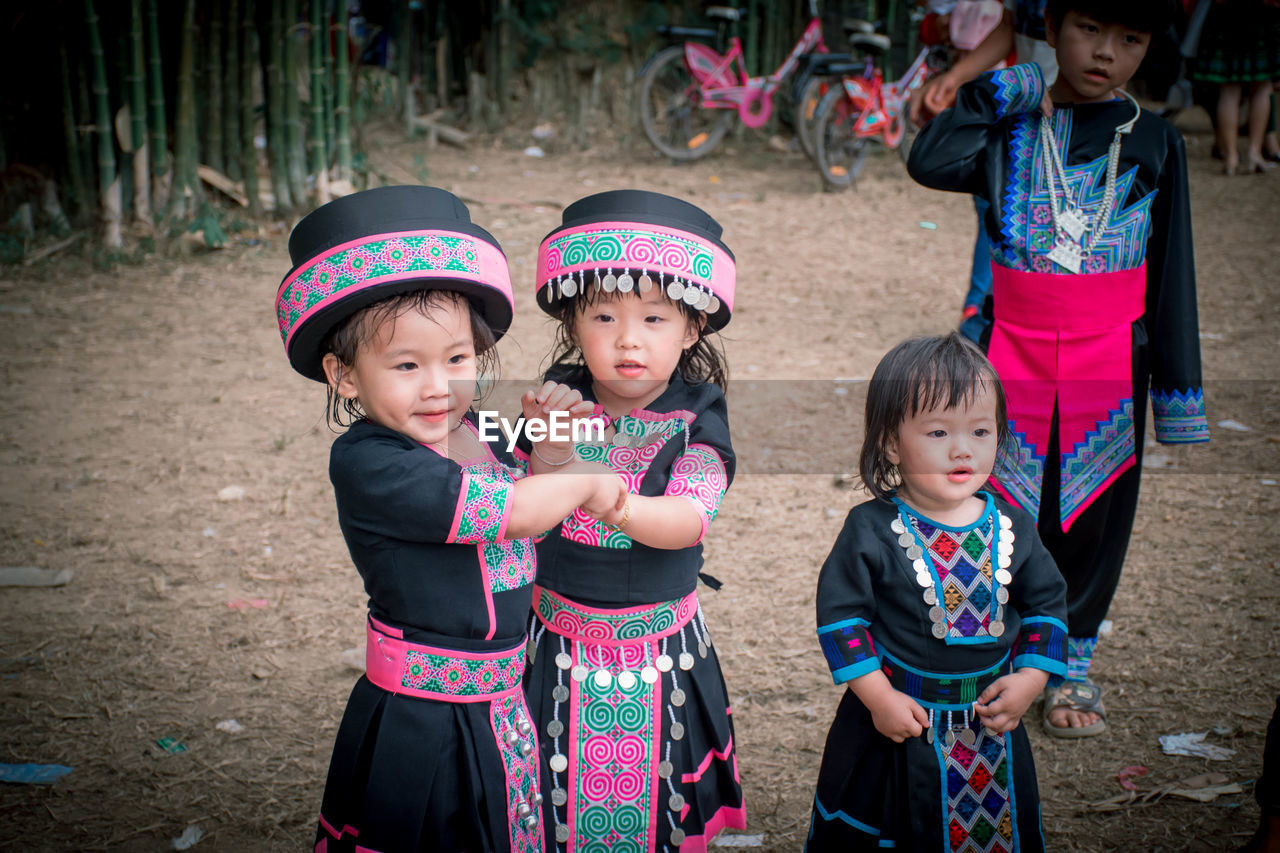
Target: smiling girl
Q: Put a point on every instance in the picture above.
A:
(625, 685)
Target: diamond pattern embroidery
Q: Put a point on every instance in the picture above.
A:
(964, 569)
(978, 822)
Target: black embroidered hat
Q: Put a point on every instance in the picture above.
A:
(635, 239)
(365, 247)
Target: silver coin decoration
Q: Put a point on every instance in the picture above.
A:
(511, 738)
(603, 679)
(924, 579)
(555, 728)
(990, 731)
(644, 283)
(704, 299)
(675, 802)
(524, 728)
(930, 596)
(648, 674)
(929, 734)
(714, 306)
(610, 283)
(939, 630)
(686, 661)
(950, 739)
(677, 731)
(914, 552)
(531, 649)
(897, 527)
(1004, 561)
(664, 663)
(526, 749)
(906, 540)
(560, 693)
(920, 565)
(559, 763)
(1003, 576)
(578, 673)
(665, 769)
(568, 287)
(531, 822)
(702, 649)
(677, 836)
(691, 295)
(1006, 523)
(677, 697)
(563, 661)
(936, 614)
(675, 290)
(1005, 548)
(996, 628)
(626, 283)
(626, 679)
(1002, 595)
(562, 834)
(968, 738)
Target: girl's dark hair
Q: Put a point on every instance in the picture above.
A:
(917, 375)
(359, 329)
(1145, 16)
(702, 362)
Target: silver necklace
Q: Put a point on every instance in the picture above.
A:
(1070, 223)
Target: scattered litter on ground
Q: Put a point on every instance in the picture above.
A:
(1125, 776)
(171, 745)
(1192, 744)
(209, 532)
(928, 226)
(1234, 426)
(231, 493)
(1106, 627)
(738, 841)
(255, 603)
(231, 726)
(33, 774)
(1204, 788)
(1267, 481)
(34, 576)
(353, 658)
(534, 151)
(189, 838)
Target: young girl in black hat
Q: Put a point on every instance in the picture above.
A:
(624, 684)
(943, 613)
(395, 301)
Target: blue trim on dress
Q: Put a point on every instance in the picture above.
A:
(1032, 620)
(1040, 662)
(857, 670)
(943, 675)
(854, 623)
(839, 815)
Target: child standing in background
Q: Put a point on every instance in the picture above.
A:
(625, 685)
(395, 300)
(941, 610)
(1094, 296)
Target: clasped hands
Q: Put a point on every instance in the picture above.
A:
(1000, 707)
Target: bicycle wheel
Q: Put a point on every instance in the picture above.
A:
(670, 114)
(807, 112)
(838, 151)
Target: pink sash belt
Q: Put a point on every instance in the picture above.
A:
(1066, 341)
(447, 675)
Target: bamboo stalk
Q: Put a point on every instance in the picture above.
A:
(276, 136)
(185, 185)
(138, 116)
(231, 93)
(71, 136)
(330, 10)
(161, 177)
(212, 135)
(342, 98)
(250, 64)
(404, 26)
(108, 185)
(293, 128)
(315, 142)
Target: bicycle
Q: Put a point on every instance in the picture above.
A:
(689, 92)
(864, 107)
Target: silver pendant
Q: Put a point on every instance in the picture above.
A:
(713, 306)
(665, 769)
(664, 663)
(939, 630)
(968, 738)
(677, 837)
(1004, 562)
(626, 283)
(562, 834)
(996, 628)
(644, 283)
(555, 728)
(1003, 576)
(950, 739)
(906, 540)
(677, 697)
(560, 693)
(648, 674)
(990, 732)
(1073, 222)
(920, 566)
(531, 822)
(1004, 548)
(559, 763)
(1066, 255)
(936, 614)
(1002, 595)
(897, 527)
(675, 802)
(578, 673)
(568, 287)
(675, 290)
(691, 296)
(563, 661)
(1006, 523)
(704, 299)
(914, 552)
(702, 649)
(686, 661)
(677, 731)
(929, 734)
(930, 596)
(559, 796)
(924, 579)
(604, 680)
(626, 679)
(610, 283)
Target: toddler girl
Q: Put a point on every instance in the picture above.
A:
(944, 614)
(395, 300)
(624, 685)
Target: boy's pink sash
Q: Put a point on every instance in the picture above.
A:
(1065, 339)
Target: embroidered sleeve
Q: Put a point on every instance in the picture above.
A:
(1041, 644)
(484, 506)
(699, 475)
(1180, 417)
(1017, 89)
(846, 607)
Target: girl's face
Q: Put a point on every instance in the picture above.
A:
(417, 373)
(1094, 59)
(631, 345)
(945, 455)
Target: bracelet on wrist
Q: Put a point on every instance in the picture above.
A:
(626, 516)
(573, 455)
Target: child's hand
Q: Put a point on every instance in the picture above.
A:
(551, 397)
(1006, 699)
(896, 715)
(608, 498)
(1046, 104)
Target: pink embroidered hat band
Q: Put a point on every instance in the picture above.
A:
(365, 247)
(628, 241)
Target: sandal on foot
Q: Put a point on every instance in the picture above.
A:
(1077, 696)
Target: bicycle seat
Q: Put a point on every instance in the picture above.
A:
(821, 63)
(723, 13)
(857, 25)
(685, 32)
(840, 69)
(870, 42)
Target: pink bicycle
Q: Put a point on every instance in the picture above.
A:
(689, 92)
(865, 107)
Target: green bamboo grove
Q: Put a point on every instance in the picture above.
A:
(145, 116)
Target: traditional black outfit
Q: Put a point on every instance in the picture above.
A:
(624, 682)
(1077, 349)
(436, 749)
(943, 612)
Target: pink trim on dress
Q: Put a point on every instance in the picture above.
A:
(726, 817)
(696, 775)
(386, 657)
(699, 475)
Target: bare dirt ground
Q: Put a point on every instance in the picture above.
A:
(136, 395)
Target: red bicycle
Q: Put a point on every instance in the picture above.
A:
(689, 92)
(865, 107)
